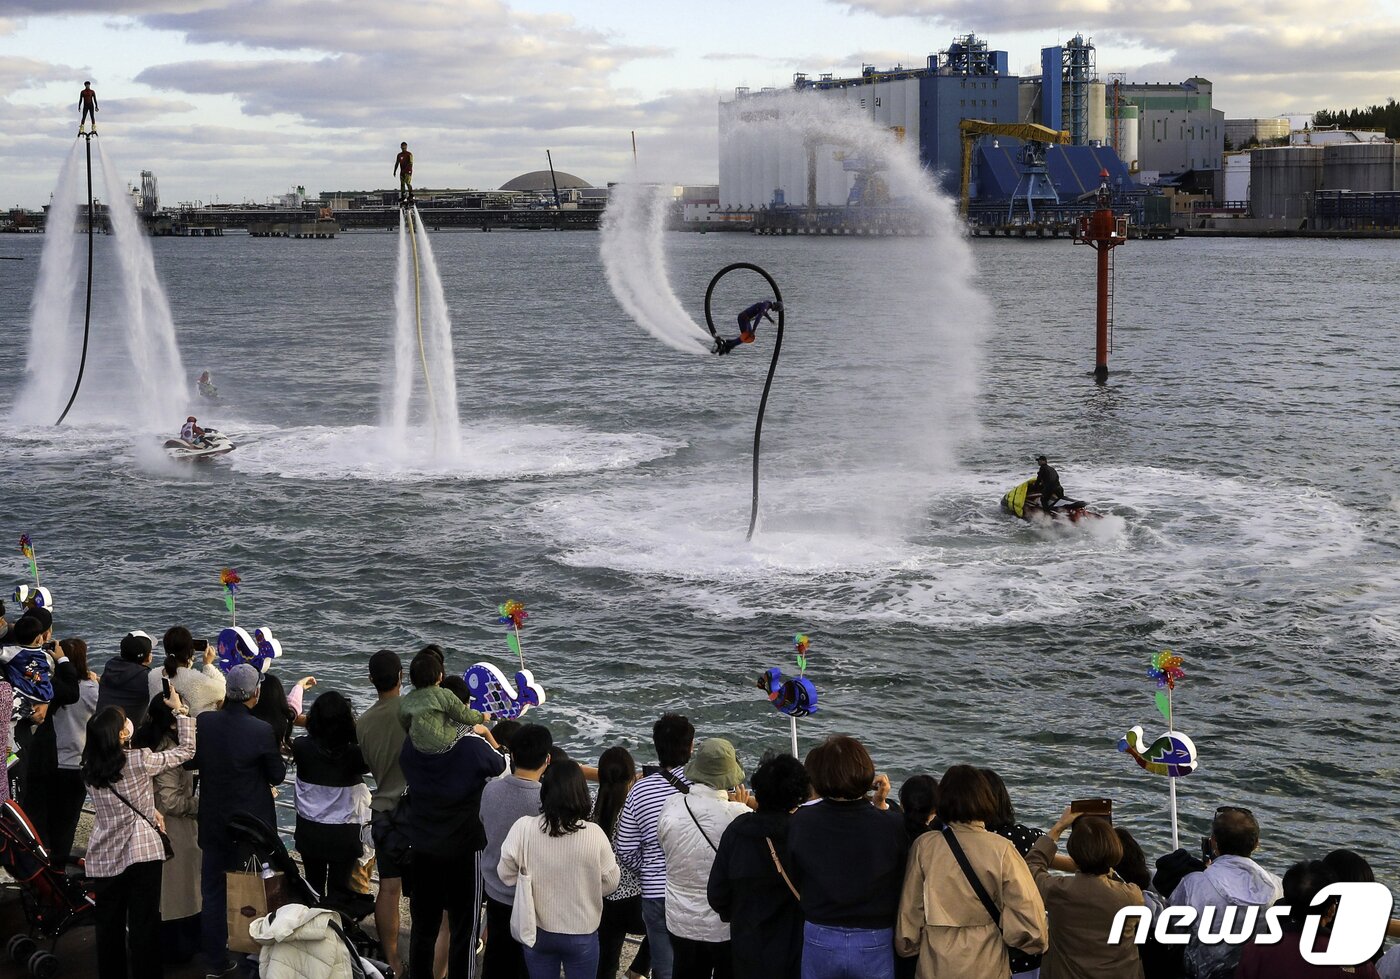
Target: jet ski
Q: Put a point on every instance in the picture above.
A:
(211, 443)
(1024, 501)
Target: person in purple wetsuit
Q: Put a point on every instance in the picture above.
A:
(748, 325)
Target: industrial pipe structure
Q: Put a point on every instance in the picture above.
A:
(971, 130)
(87, 311)
(772, 366)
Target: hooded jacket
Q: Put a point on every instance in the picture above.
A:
(125, 684)
(299, 943)
(746, 890)
(1229, 881)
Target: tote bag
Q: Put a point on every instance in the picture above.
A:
(522, 913)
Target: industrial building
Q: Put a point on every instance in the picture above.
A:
(1246, 133)
(922, 106)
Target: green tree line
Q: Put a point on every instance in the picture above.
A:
(1386, 117)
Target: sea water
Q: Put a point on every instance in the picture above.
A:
(1243, 447)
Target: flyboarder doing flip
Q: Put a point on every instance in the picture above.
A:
(1047, 481)
(87, 103)
(748, 326)
(403, 166)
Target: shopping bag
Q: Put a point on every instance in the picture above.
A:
(522, 913)
(251, 896)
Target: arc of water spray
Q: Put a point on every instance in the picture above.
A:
(87, 312)
(772, 367)
(418, 316)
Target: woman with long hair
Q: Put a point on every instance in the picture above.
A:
(622, 909)
(126, 851)
(272, 706)
(66, 790)
(180, 899)
(201, 689)
(331, 795)
(571, 867)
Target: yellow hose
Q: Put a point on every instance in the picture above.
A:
(418, 314)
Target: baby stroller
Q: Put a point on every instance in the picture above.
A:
(53, 902)
(250, 831)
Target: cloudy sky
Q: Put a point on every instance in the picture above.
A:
(234, 100)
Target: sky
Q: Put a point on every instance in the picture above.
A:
(233, 100)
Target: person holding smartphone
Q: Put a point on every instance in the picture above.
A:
(1082, 907)
(201, 689)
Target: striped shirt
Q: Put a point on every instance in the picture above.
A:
(634, 840)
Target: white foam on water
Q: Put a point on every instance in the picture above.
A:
(485, 450)
(1169, 542)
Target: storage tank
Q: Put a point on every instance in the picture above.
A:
(1280, 178)
(1360, 166)
(1098, 116)
(1127, 133)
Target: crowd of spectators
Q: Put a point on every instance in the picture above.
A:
(802, 868)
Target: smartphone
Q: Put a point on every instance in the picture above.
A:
(201, 645)
(1093, 807)
(165, 687)
(1207, 851)
(51, 645)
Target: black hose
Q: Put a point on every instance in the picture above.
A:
(772, 367)
(87, 312)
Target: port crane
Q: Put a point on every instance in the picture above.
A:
(1036, 137)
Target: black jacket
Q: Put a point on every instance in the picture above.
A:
(444, 790)
(746, 890)
(1047, 480)
(847, 860)
(238, 764)
(124, 684)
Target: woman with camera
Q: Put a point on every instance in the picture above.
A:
(127, 847)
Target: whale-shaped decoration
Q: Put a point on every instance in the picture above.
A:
(492, 693)
(32, 596)
(794, 696)
(235, 646)
(1173, 754)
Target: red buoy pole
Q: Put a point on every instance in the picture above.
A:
(1101, 341)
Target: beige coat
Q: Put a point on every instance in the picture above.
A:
(179, 879)
(942, 921)
(1082, 908)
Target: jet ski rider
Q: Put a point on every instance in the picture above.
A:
(191, 432)
(1047, 481)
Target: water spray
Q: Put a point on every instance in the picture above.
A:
(410, 213)
(87, 312)
(772, 366)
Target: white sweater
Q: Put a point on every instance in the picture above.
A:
(200, 689)
(570, 875)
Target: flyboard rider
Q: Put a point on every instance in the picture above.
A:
(87, 104)
(403, 166)
(748, 326)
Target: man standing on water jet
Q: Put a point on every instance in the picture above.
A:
(87, 104)
(403, 166)
(748, 325)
